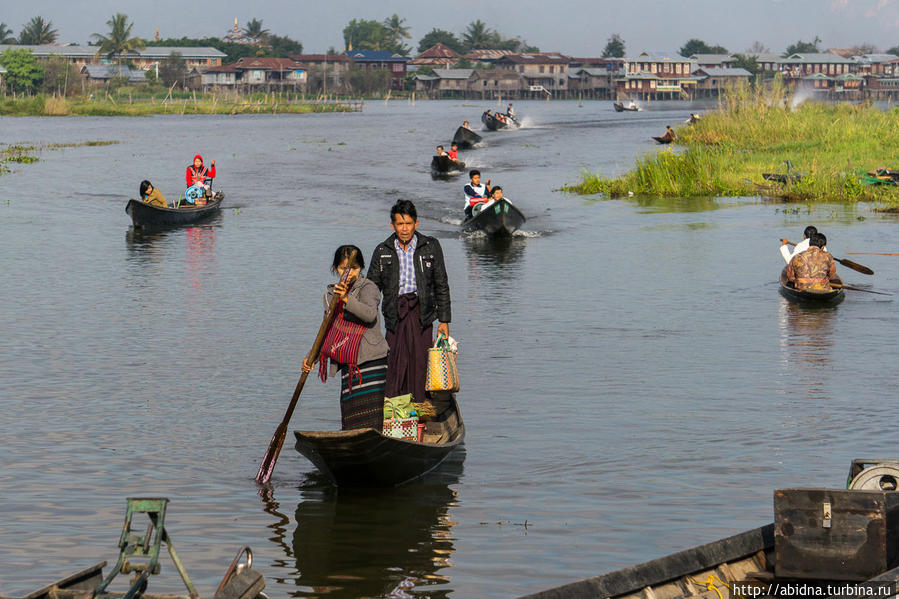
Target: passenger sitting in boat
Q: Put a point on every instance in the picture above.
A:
(440, 151)
(800, 247)
(475, 192)
(151, 195)
(510, 111)
(669, 134)
(358, 350)
(466, 125)
(454, 152)
(814, 268)
(196, 174)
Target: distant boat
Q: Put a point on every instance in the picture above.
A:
(663, 139)
(620, 107)
(147, 215)
(495, 120)
(499, 219)
(465, 138)
(442, 166)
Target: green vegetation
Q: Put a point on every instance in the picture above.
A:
(755, 132)
(260, 103)
(25, 153)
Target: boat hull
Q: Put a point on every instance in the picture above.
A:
(443, 166)
(492, 123)
(146, 215)
(466, 138)
(811, 298)
(499, 219)
(367, 458)
(619, 107)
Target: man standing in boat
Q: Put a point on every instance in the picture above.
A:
(409, 270)
(814, 268)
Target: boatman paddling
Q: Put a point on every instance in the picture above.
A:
(814, 268)
(409, 270)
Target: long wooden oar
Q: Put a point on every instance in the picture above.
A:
(841, 286)
(274, 447)
(849, 264)
(870, 254)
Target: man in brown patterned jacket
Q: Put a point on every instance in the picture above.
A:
(813, 268)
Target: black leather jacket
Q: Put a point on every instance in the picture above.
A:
(430, 278)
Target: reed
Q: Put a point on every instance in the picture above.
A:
(753, 131)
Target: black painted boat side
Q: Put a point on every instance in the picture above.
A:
(368, 458)
(811, 298)
(442, 165)
(501, 218)
(147, 215)
(466, 138)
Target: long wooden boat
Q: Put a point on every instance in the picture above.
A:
(708, 571)
(465, 138)
(246, 584)
(368, 458)
(146, 215)
(829, 297)
(492, 123)
(498, 219)
(663, 140)
(620, 107)
(442, 166)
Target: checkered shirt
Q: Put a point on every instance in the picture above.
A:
(407, 265)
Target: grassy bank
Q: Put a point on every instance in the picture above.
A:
(108, 106)
(754, 132)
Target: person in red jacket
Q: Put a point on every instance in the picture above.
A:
(197, 173)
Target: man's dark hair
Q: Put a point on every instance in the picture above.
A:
(345, 252)
(493, 189)
(405, 208)
(473, 172)
(439, 147)
(809, 231)
(817, 240)
(454, 145)
(144, 186)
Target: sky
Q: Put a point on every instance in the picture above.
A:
(574, 27)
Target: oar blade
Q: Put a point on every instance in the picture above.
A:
(271, 456)
(855, 266)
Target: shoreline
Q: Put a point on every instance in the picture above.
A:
(821, 152)
(49, 106)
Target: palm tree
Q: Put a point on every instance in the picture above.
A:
(254, 29)
(118, 42)
(478, 35)
(37, 32)
(396, 31)
(6, 35)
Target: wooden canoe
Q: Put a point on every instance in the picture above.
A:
(466, 138)
(663, 140)
(367, 458)
(246, 584)
(705, 572)
(492, 123)
(830, 297)
(499, 219)
(442, 166)
(146, 215)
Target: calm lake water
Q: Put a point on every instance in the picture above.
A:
(633, 384)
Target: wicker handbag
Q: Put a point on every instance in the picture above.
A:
(442, 373)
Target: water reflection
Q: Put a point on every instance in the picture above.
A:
(806, 344)
(390, 542)
(494, 260)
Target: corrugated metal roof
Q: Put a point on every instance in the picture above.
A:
(439, 50)
(712, 58)
(375, 56)
(185, 52)
(816, 57)
(109, 71)
(594, 71)
(453, 73)
(723, 72)
(660, 57)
